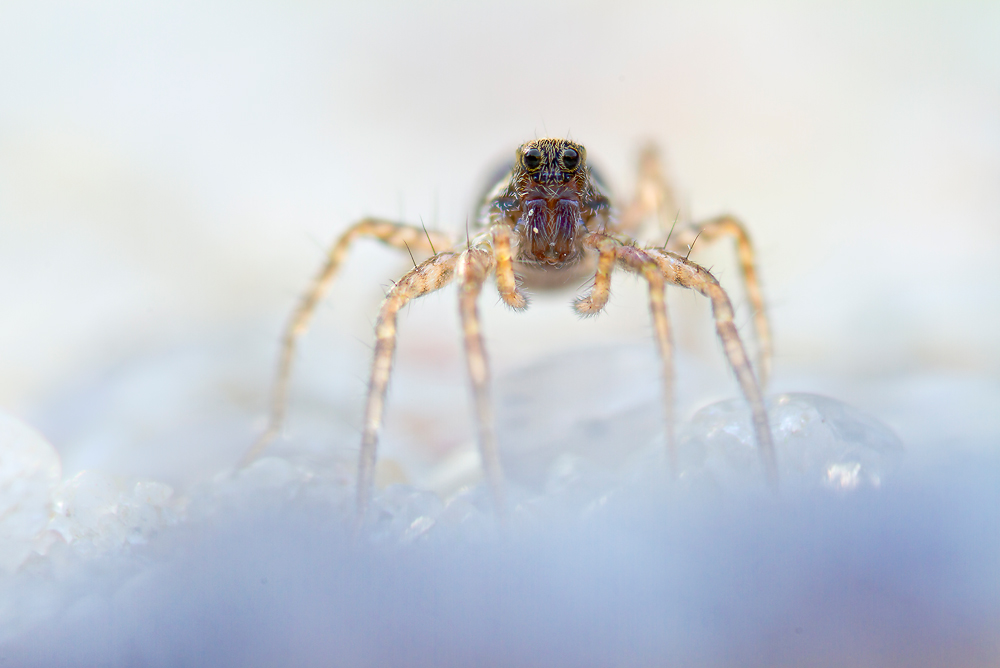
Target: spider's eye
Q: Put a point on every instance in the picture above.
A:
(570, 159)
(532, 159)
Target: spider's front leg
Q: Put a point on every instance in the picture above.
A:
(681, 271)
(659, 267)
(428, 276)
(397, 235)
(653, 195)
(611, 252)
(473, 268)
(728, 226)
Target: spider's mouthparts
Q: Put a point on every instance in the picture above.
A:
(549, 229)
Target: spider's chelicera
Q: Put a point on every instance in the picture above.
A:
(547, 222)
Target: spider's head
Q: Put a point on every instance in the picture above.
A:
(549, 181)
(550, 162)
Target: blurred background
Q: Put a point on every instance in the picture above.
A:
(172, 172)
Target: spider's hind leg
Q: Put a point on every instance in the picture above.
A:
(728, 226)
(653, 195)
(397, 235)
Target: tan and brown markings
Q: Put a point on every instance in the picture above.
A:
(548, 221)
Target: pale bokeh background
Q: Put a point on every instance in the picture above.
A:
(171, 172)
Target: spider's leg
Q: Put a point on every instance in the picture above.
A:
(685, 273)
(397, 235)
(629, 257)
(640, 262)
(426, 277)
(506, 281)
(728, 226)
(473, 268)
(653, 194)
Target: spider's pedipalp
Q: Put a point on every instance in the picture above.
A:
(507, 286)
(685, 273)
(723, 226)
(397, 235)
(596, 299)
(429, 276)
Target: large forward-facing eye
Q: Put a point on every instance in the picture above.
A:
(570, 159)
(532, 159)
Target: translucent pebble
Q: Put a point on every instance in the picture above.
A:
(417, 528)
(146, 509)
(464, 517)
(459, 510)
(96, 512)
(152, 493)
(30, 471)
(403, 513)
(818, 441)
(269, 472)
(573, 475)
(86, 511)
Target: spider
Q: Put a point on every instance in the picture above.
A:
(547, 221)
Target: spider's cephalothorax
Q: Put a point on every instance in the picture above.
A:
(546, 222)
(552, 196)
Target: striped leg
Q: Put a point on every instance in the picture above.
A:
(727, 226)
(473, 268)
(640, 262)
(685, 273)
(653, 194)
(428, 276)
(611, 252)
(397, 235)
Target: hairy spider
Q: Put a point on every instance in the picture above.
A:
(547, 221)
